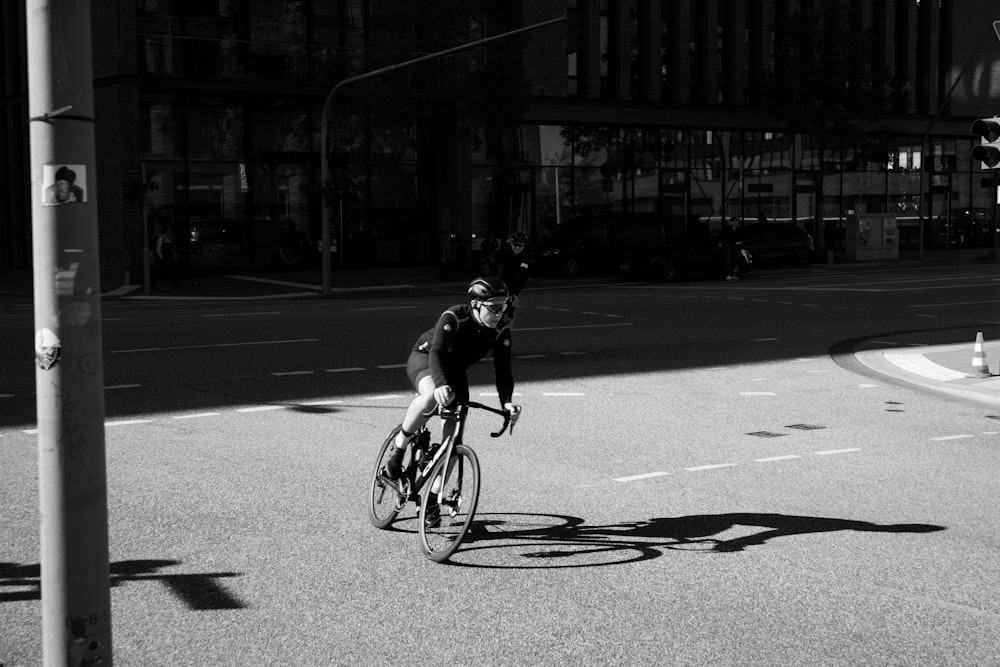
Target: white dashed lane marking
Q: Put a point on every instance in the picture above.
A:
(633, 478)
(945, 438)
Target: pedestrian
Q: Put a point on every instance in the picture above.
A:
(729, 241)
(165, 258)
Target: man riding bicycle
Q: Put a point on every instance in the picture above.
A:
(438, 362)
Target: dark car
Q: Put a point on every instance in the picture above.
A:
(598, 243)
(777, 243)
(681, 258)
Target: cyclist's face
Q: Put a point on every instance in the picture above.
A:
(490, 313)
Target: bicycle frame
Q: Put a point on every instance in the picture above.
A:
(457, 414)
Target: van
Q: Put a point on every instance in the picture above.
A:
(597, 243)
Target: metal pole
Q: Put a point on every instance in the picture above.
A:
(147, 282)
(76, 600)
(328, 105)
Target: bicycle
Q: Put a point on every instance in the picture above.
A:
(449, 470)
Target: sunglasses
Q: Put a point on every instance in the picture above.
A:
(495, 308)
(517, 246)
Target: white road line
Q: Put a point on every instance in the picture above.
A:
(284, 373)
(867, 386)
(262, 408)
(710, 467)
(914, 362)
(385, 308)
(383, 397)
(122, 386)
(763, 340)
(786, 457)
(827, 452)
(273, 312)
(194, 347)
(330, 402)
(128, 422)
(944, 438)
(757, 393)
(930, 317)
(6, 395)
(530, 356)
(802, 360)
(387, 367)
(571, 354)
(632, 478)
(344, 370)
(575, 326)
(197, 415)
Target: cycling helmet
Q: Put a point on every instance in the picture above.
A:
(518, 237)
(486, 288)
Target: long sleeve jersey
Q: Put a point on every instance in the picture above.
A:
(457, 341)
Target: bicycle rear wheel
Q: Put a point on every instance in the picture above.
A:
(386, 500)
(458, 491)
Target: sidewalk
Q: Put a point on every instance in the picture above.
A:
(255, 286)
(942, 369)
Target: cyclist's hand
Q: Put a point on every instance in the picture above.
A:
(444, 395)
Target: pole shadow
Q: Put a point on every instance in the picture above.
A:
(200, 592)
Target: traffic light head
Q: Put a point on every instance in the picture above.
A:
(988, 151)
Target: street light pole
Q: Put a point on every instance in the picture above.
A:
(328, 106)
(69, 375)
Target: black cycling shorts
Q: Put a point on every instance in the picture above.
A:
(418, 367)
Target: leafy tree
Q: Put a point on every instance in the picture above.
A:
(829, 81)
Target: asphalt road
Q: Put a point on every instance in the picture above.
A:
(701, 475)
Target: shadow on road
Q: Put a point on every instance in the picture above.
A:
(557, 541)
(200, 592)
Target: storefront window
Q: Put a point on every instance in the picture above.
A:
(215, 132)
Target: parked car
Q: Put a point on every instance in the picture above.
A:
(597, 243)
(683, 258)
(777, 243)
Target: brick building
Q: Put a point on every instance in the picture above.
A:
(209, 121)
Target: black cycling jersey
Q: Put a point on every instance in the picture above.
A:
(512, 269)
(457, 341)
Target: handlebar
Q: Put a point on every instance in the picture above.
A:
(510, 417)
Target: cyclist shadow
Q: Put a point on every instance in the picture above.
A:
(570, 540)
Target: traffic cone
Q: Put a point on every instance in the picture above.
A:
(979, 365)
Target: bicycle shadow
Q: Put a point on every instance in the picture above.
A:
(560, 541)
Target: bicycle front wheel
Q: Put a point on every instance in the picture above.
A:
(385, 499)
(448, 504)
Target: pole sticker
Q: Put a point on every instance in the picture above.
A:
(48, 349)
(64, 184)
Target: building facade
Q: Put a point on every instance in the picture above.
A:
(209, 122)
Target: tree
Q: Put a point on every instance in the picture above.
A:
(829, 81)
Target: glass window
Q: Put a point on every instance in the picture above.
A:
(215, 132)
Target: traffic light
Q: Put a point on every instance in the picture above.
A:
(988, 151)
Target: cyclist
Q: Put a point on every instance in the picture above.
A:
(512, 267)
(438, 362)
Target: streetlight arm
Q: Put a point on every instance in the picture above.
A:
(328, 105)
